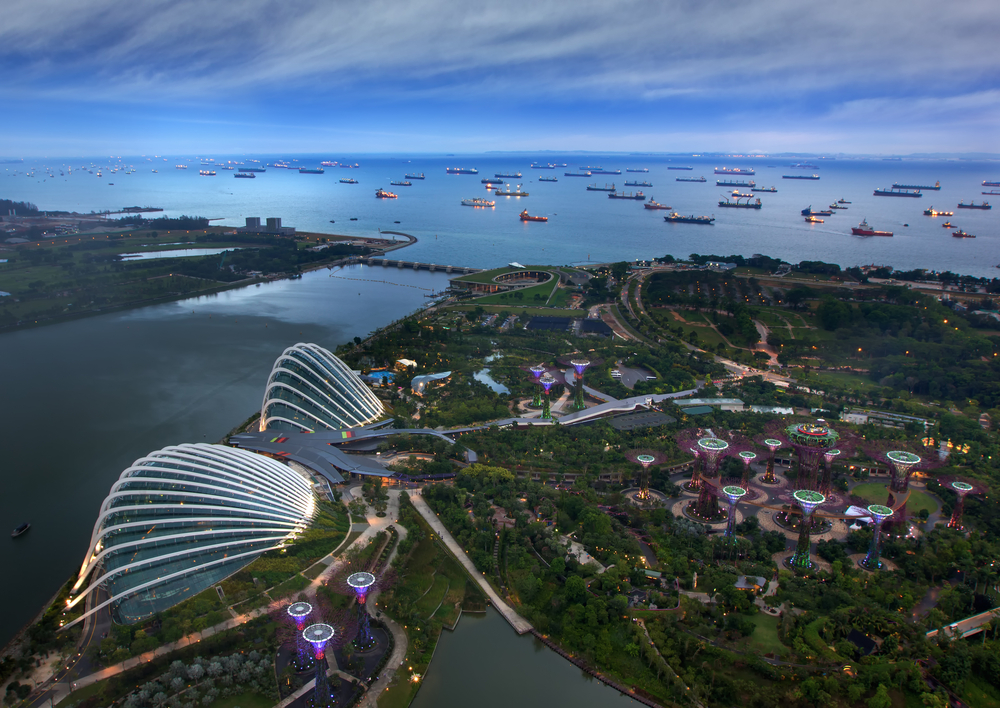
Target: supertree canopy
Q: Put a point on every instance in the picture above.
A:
(645, 458)
(962, 489)
(733, 494)
(298, 613)
(354, 580)
(536, 373)
(547, 381)
(746, 457)
(902, 463)
(879, 514)
(807, 501)
(318, 635)
(362, 582)
(810, 441)
(772, 445)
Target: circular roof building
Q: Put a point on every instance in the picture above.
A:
(310, 389)
(183, 518)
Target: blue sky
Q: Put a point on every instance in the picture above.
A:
(147, 76)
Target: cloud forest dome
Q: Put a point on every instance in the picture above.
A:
(310, 389)
(181, 519)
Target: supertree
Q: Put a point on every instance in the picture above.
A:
(645, 458)
(711, 450)
(826, 484)
(579, 365)
(733, 494)
(298, 613)
(746, 457)
(879, 514)
(772, 445)
(536, 372)
(319, 635)
(362, 583)
(810, 441)
(547, 381)
(963, 489)
(807, 501)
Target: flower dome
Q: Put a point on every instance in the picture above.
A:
(183, 518)
(310, 389)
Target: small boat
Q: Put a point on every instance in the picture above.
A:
(23, 528)
(382, 194)
(653, 204)
(814, 220)
(527, 217)
(843, 201)
(929, 211)
(947, 225)
(973, 205)
(404, 183)
(961, 234)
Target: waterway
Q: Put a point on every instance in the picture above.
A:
(179, 253)
(486, 663)
(84, 399)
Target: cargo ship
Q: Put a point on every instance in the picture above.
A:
(527, 217)
(605, 188)
(508, 175)
(328, 163)
(863, 229)
(814, 220)
(680, 168)
(895, 192)
(973, 205)
(739, 204)
(252, 169)
(773, 190)
(992, 192)
(808, 211)
(516, 193)
(548, 179)
(811, 177)
(577, 174)
(311, 171)
(653, 204)
(461, 170)
(638, 196)
(734, 183)
(638, 184)
(637, 169)
(739, 195)
(590, 169)
(245, 175)
(542, 167)
(184, 167)
(675, 218)
(606, 172)
(929, 211)
(805, 166)
(491, 181)
(420, 176)
(404, 183)
(935, 188)
(203, 173)
(348, 180)
(987, 183)
(689, 179)
(734, 171)
(837, 206)
(382, 194)
(843, 201)
(478, 202)
(961, 234)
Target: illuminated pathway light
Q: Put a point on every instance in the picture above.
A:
(879, 514)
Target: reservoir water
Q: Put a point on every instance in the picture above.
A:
(583, 226)
(179, 253)
(84, 399)
(486, 664)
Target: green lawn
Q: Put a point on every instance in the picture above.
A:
(525, 296)
(429, 602)
(765, 637)
(518, 310)
(980, 694)
(876, 492)
(244, 700)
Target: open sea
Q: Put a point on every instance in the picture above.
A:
(583, 226)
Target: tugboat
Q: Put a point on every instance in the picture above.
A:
(837, 206)
(638, 196)
(814, 220)
(675, 218)
(478, 202)
(929, 211)
(653, 204)
(516, 193)
(527, 217)
(808, 211)
(605, 188)
(863, 229)
(382, 194)
(23, 528)
(961, 234)
(947, 225)
(740, 205)
(404, 183)
(973, 205)
(689, 179)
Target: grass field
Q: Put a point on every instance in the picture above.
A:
(876, 493)
(517, 310)
(765, 637)
(429, 602)
(527, 296)
(244, 700)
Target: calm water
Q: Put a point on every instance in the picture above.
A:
(582, 225)
(83, 399)
(486, 664)
(179, 253)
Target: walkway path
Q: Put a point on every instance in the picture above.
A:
(519, 624)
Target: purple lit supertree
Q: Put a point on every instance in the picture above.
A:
(291, 618)
(962, 488)
(319, 635)
(807, 500)
(712, 451)
(547, 381)
(826, 484)
(298, 613)
(646, 458)
(746, 457)
(536, 372)
(579, 365)
(901, 464)
(810, 442)
(733, 494)
(772, 445)
(879, 514)
(359, 582)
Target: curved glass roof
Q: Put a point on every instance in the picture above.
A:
(310, 389)
(181, 519)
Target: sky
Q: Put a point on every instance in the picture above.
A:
(95, 77)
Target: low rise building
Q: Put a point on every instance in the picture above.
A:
(726, 404)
